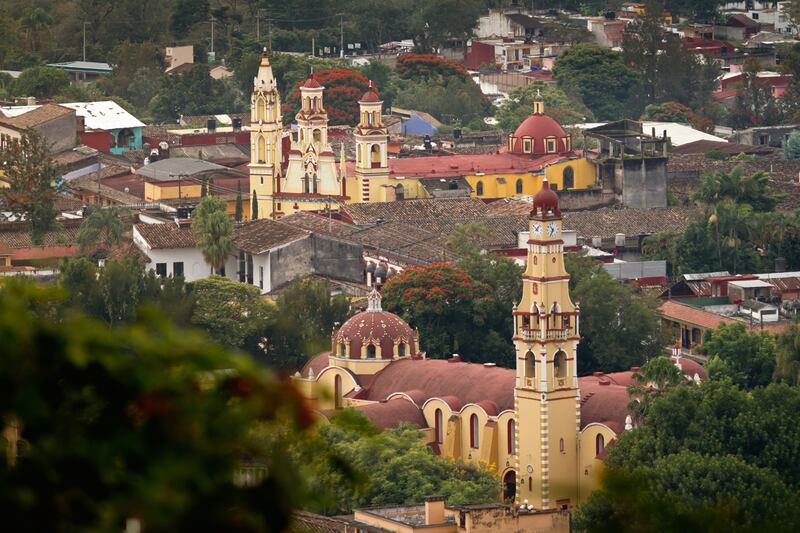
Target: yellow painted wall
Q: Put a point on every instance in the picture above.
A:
(590, 468)
(505, 185)
(154, 192)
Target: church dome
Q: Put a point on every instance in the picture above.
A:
(539, 135)
(371, 96)
(311, 83)
(375, 334)
(546, 200)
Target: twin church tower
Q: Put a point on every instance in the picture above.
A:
(299, 172)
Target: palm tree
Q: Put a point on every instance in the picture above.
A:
(214, 230)
(655, 377)
(102, 229)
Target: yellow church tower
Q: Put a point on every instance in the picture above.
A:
(266, 130)
(546, 340)
(372, 139)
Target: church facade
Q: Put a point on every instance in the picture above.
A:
(297, 170)
(540, 426)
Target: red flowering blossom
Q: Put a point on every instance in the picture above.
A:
(343, 89)
(419, 67)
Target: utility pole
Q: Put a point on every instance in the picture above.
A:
(84, 40)
(212, 35)
(341, 34)
(269, 25)
(258, 27)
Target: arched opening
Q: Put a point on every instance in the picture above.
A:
(261, 155)
(342, 350)
(519, 186)
(399, 193)
(530, 365)
(473, 431)
(568, 178)
(560, 365)
(317, 136)
(371, 351)
(262, 114)
(375, 156)
(599, 444)
(401, 350)
(314, 183)
(306, 183)
(337, 391)
(561, 445)
(125, 138)
(511, 430)
(479, 188)
(437, 426)
(510, 485)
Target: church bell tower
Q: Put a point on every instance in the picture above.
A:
(546, 339)
(266, 131)
(372, 139)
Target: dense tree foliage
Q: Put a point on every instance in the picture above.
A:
(145, 423)
(195, 93)
(619, 328)
(343, 89)
(34, 183)
(710, 452)
(746, 358)
(600, 77)
(214, 232)
(557, 104)
(389, 467)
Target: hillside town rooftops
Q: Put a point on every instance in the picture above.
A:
(36, 116)
(262, 235)
(166, 236)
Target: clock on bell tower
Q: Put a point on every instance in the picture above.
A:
(546, 338)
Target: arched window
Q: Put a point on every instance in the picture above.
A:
(560, 365)
(337, 391)
(317, 136)
(530, 365)
(479, 188)
(314, 183)
(519, 186)
(561, 445)
(569, 177)
(473, 431)
(375, 156)
(306, 183)
(530, 483)
(510, 443)
(401, 350)
(599, 444)
(510, 485)
(342, 350)
(399, 193)
(261, 109)
(261, 156)
(371, 351)
(437, 426)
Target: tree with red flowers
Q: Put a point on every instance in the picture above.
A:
(429, 67)
(453, 312)
(343, 89)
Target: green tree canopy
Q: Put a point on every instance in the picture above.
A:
(42, 82)
(519, 106)
(214, 231)
(599, 77)
(747, 359)
(102, 229)
(145, 422)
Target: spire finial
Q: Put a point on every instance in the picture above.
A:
(374, 301)
(538, 103)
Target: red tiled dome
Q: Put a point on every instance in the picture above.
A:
(311, 83)
(546, 199)
(378, 327)
(538, 128)
(371, 96)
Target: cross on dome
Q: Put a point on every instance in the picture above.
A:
(374, 301)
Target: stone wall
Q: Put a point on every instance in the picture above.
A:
(338, 259)
(292, 261)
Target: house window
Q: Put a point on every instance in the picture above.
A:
(177, 269)
(551, 146)
(519, 186)
(371, 351)
(437, 425)
(554, 186)
(161, 269)
(473, 431)
(242, 267)
(526, 146)
(510, 443)
(479, 188)
(261, 277)
(249, 269)
(262, 180)
(599, 444)
(569, 178)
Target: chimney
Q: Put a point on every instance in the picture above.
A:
(780, 264)
(434, 510)
(237, 124)
(31, 100)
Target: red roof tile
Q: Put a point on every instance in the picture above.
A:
(166, 236)
(469, 164)
(691, 315)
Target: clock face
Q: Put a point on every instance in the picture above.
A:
(537, 229)
(552, 229)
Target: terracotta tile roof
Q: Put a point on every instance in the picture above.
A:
(703, 146)
(303, 522)
(166, 236)
(259, 236)
(37, 116)
(390, 414)
(692, 315)
(465, 164)
(607, 222)
(18, 235)
(404, 241)
(411, 211)
(319, 224)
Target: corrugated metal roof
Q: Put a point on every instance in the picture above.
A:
(105, 115)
